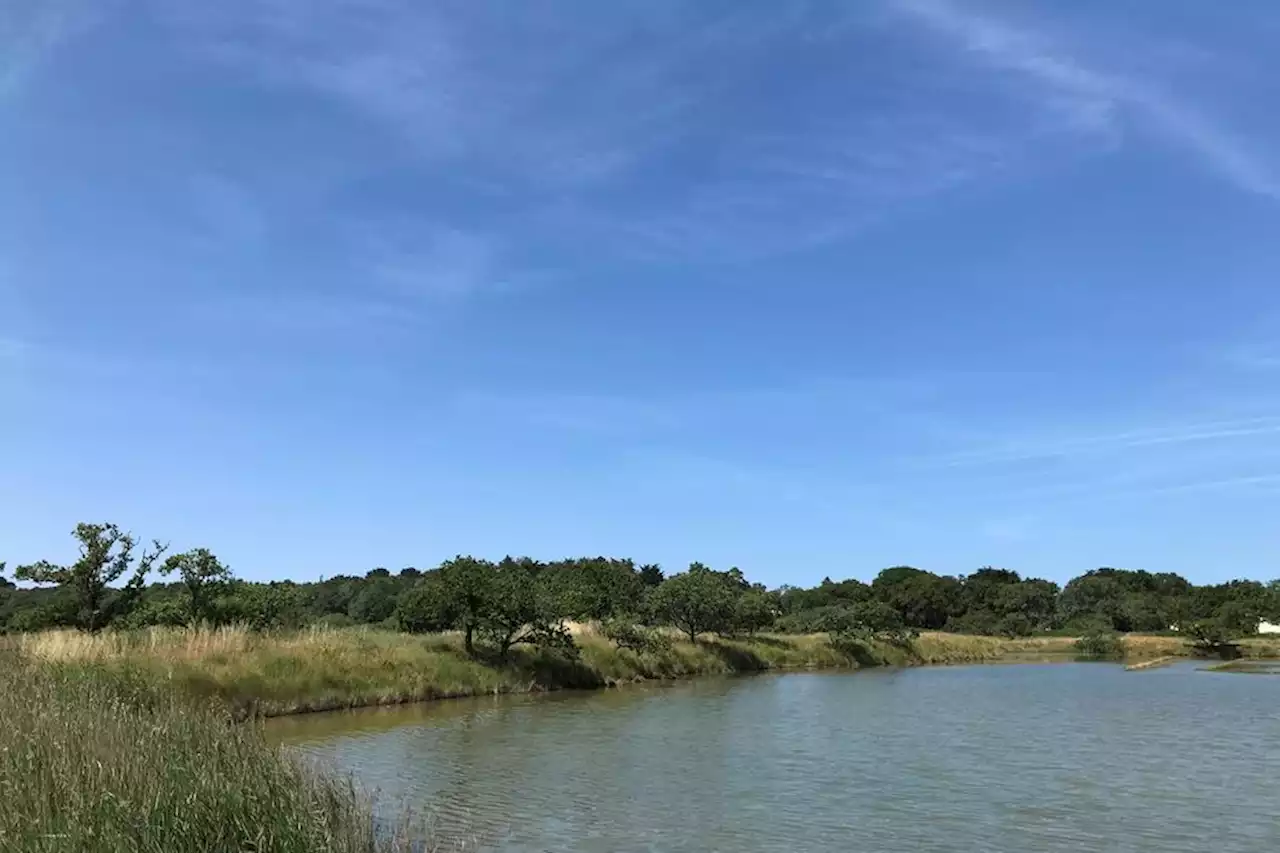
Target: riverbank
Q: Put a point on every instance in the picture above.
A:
(318, 669)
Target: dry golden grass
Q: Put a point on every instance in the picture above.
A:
(324, 668)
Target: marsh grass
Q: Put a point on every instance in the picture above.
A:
(270, 674)
(108, 761)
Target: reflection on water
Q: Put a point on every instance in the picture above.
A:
(1066, 757)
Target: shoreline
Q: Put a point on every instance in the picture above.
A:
(266, 675)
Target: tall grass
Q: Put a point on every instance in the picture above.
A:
(323, 668)
(101, 760)
(319, 669)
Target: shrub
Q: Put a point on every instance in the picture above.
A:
(1212, 636)
(625, 634)
(1100, 643)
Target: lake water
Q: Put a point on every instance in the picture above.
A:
(1041, 758)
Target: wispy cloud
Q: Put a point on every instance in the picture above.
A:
(1254, 356)
(30, 33)
(1104, 443)
(432, 261)
(563, 111)
(1092, 98)
(603, 414)
(546, 98)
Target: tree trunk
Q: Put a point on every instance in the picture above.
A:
(693, 636)
(470, 645)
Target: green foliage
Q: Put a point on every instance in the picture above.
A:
(426, 608)
(505, 604)
(650, 575)
(754, 610)
(696, 601)
(1216, 636)
(625, 634)
(204, 579)
(107, 586)
(106, 554)
(1127, 600)
(375, 602)
(864, 621)
(1100, 642)
(518, 608)
(468, 589)
(264, 606)
(924, 600)
(594, 589)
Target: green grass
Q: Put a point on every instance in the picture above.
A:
(102, 761)
(322, 669)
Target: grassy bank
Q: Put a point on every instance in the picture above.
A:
(95, 760)
(317, 669)
(320, 669)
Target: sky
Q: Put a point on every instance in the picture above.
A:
(809, 288)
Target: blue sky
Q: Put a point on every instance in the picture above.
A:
(806, 287)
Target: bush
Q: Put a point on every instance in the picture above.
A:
(625, 634)
(334, 620)
(1212, 636)
(1100, 643)
(810, 621)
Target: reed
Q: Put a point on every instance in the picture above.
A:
(271, 674)
(105, 760)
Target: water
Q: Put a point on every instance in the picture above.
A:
(1063, 757)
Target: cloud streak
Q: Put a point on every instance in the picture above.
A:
(436, 262)
(30, 33)
(1094, 99)
(1113, 442)
(589, 122)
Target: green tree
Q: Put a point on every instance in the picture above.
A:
(856, 623)
(754, 611)
(106, 554)
(264, 606)
(375, 602)
(596, 588)
(925, 600)
(520, 608)
(695, 601)
(650, 575)
(468, 587)
(1214, 636)
(1095, 596)
(426, 608)
(204, 578)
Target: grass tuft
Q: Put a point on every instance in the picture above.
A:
(106, 760)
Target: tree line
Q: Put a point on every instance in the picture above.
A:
(503, 603)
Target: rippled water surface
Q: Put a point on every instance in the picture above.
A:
(1062, 757)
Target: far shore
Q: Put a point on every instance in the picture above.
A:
(281, 673)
